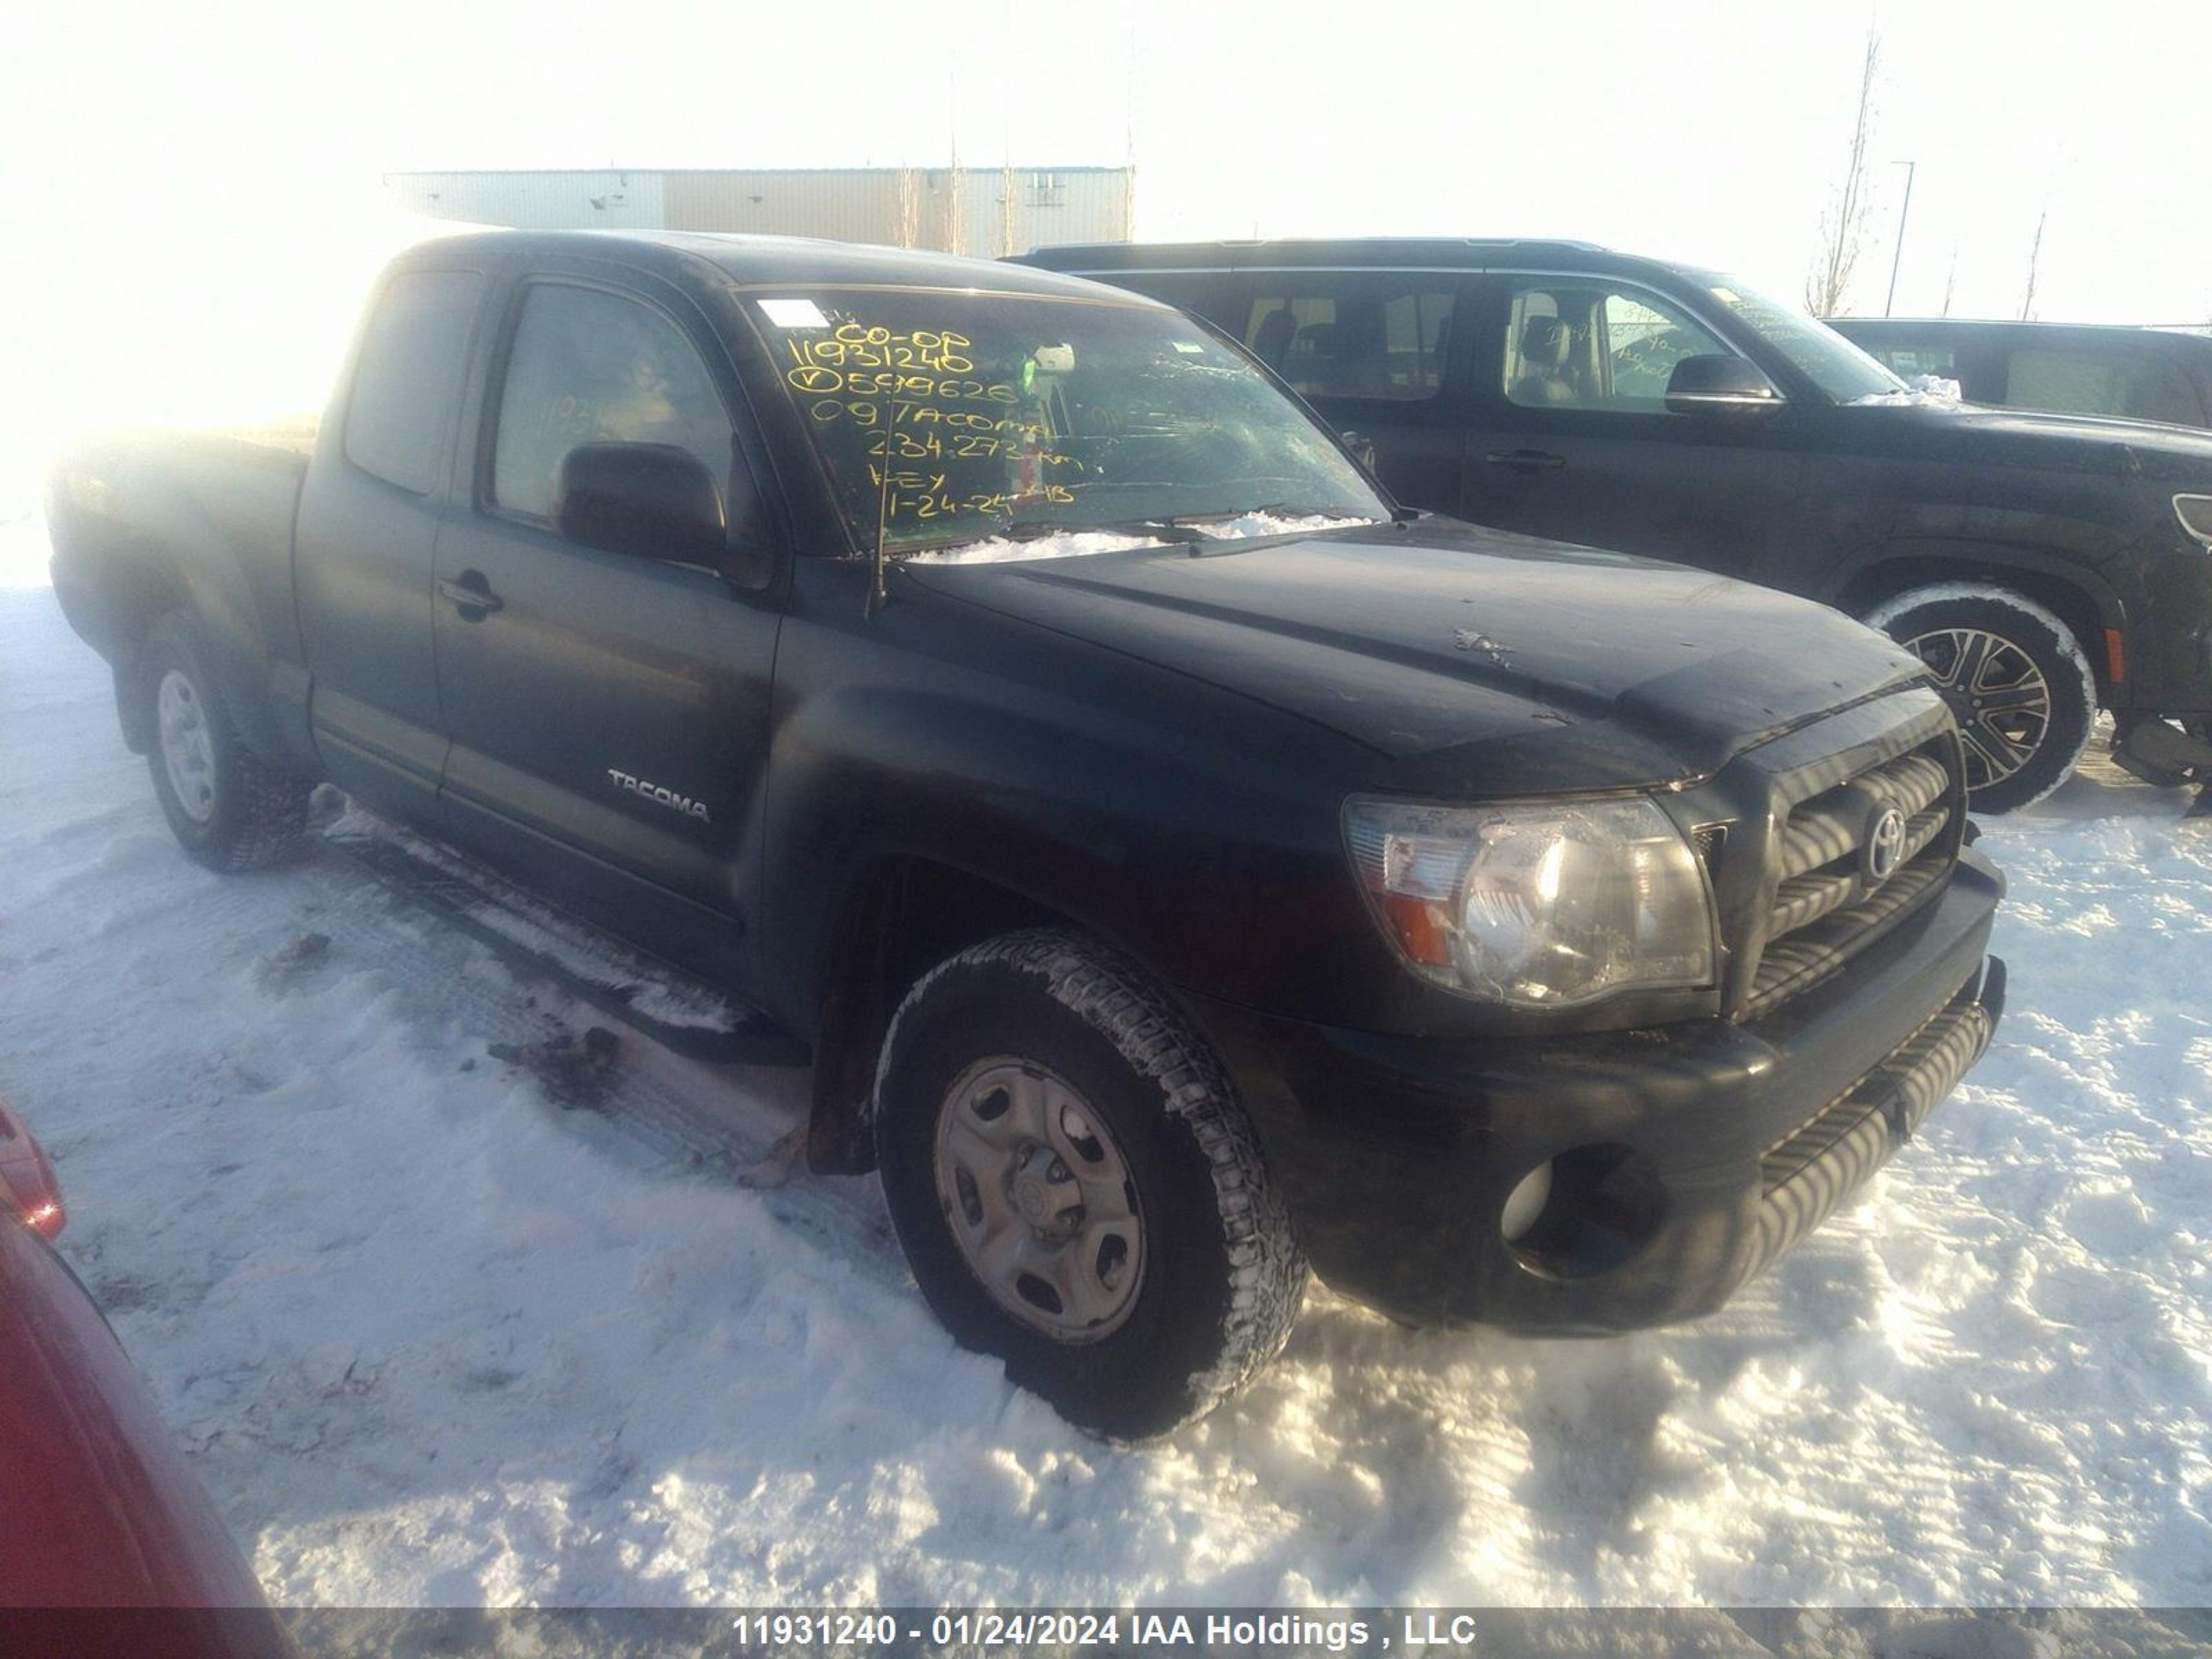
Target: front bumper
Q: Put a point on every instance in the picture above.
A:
(1684, 1158)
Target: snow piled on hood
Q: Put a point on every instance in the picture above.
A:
(1071, 544)
(1931, 391)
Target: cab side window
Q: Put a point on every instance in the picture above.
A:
(1379, 336)
(2085, 380)
(1583, 344)
(408, 375)
(589, 366)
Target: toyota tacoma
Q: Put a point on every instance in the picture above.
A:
(1180, 863)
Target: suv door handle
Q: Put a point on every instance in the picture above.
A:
(1526, 460)
(471, 592)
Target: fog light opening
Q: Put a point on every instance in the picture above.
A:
(1526, 1202)
(1585, 1212)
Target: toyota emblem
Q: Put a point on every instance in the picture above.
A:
(1885, 846)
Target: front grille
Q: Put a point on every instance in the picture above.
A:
(1827, 904)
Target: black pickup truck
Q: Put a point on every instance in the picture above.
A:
(1180, 862)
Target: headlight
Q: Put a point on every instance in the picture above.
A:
(2195, 513)
(1539, 905)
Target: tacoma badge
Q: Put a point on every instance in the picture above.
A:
(654, 792)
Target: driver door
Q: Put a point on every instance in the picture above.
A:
(608, 711)
(1571, 438)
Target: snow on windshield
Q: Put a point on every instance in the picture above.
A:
(998, 549)
(1931, 391)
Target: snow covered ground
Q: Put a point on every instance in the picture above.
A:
(430, 1337)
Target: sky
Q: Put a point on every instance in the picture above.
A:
(184, 179)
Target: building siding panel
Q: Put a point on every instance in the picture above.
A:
(984, 212)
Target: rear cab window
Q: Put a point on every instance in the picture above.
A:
(407, 375)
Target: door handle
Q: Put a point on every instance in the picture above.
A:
(469, 592)
(1526, 460)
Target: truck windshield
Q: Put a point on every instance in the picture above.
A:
(947, 416)
(1825, 357)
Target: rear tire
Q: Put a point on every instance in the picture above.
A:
(1076, 1187)
(2014, 675)
(229, 809)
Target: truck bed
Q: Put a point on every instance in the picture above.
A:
(220, 501)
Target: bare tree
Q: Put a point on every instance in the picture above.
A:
(2034, 258)
(1951, 282)
(1843, 227)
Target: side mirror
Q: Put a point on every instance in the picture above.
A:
(1362, 449)
(653, 501)
(1717, 383)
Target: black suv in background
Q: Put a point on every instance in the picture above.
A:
(2132, 374)
(2040, 566)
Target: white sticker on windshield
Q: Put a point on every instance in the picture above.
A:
(1191, 348)
(794, 314)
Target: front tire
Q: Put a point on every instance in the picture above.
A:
(1076, 1186)
(228, 808)
(2014, 675)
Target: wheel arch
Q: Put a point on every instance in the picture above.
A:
(135, 536)
(145, 584)
(900, 914)
(2092, 613)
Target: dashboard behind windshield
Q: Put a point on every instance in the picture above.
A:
(942, 417)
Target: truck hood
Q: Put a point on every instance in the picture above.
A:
(1495, 660)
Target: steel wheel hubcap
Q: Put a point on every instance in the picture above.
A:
(187, 751)
(2001, 699)
(1039, 1198)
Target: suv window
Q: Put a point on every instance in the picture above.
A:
(1583, 344)
(1348, 335)
(1913, 355)
(1216, 295)
(590, 366)
(408, 375)
(2088, 380)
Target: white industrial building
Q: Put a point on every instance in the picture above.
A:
(981, 212)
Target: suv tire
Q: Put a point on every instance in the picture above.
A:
(228, 808)
(2014, 674)
(1076, 1186)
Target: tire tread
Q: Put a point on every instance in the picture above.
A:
(1268, 1270)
